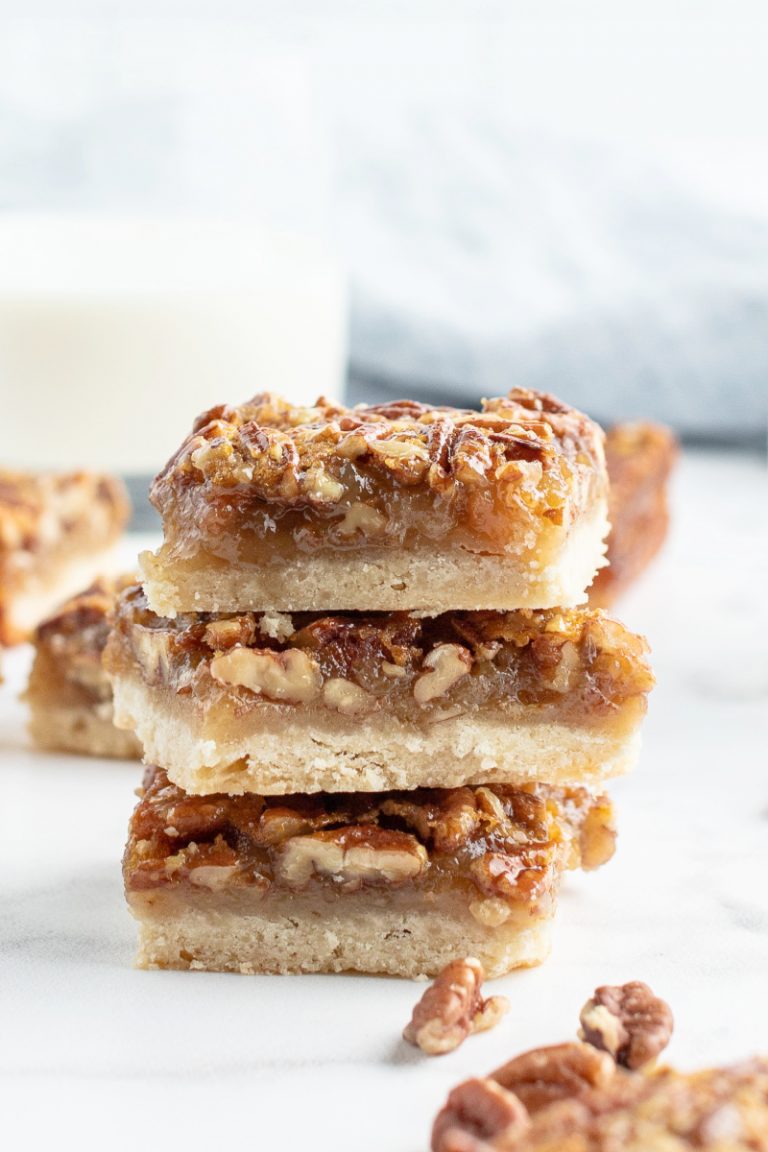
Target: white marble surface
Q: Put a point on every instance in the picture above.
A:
(94, 1053)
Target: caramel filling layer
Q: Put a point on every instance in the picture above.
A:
(576, 664)
(503, 848)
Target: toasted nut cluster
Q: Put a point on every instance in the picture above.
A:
(445, 664)
(452, 1008)
(628, 1021)
(718, 1109)
(71, 640)
(559, 1072)
(493, 1114)
(477, 1117)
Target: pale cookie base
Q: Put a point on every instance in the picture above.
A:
(273, 750)
(357, 932)
(427, 579)
(82, 729)
(46, 590)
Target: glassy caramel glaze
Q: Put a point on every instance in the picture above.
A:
(494, 842)
(390, 475)
(578, 660)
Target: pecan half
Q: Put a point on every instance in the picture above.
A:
(560, 1072)
(628, 1021)
(352, 856)
(452, 1007)
(478, 1116)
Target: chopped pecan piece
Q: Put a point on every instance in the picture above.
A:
(445, 664)
(452, 1008)
(345, 697)
(560, 1072)
(478, 1116)
(362, 518)
(289, 675)
(628, 1021)
(226, 633)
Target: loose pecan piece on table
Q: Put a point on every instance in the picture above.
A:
(628, 1021)
(452, 1008)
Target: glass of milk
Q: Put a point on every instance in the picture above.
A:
(116, 333)
(166, 233)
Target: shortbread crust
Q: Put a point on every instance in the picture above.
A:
(380, 508)
(87, 729)
(425, 579)
(200, 932)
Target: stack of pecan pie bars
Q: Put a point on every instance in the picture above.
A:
(377, 718)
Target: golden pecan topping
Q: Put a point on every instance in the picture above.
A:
(533, 455)
(349, 840)
(628, 1021)
(453, 1007)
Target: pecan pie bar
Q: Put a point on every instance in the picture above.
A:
(69, 693)
(56, 533)
(640, 459)
(394, 882)
(381, 508)
(569, 1099)
(278, 702)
